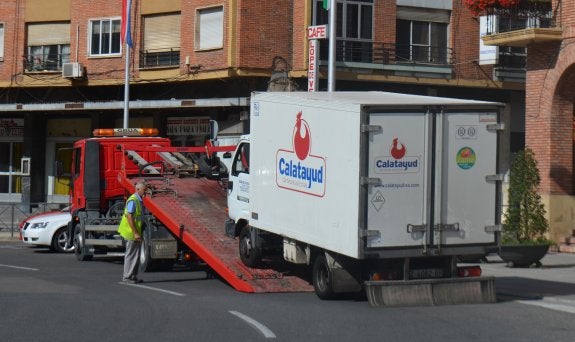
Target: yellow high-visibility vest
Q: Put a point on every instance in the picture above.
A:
(124, 227)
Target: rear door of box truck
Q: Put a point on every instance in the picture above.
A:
(431, 167)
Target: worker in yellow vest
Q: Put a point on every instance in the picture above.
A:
(131, 231)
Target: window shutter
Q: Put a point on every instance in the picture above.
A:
(423, 14)
(162, 32)
(211, 28)
(439, 4)
(48, 34)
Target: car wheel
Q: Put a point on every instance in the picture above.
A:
(59, 240)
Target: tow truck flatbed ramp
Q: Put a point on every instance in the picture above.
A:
(194, 209)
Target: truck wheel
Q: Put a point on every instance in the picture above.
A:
(322, 278)
(147, 264)
(59, 240)
(250, 255)
(80, 249)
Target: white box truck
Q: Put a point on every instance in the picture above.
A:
(376, 191)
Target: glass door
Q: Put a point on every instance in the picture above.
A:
(10, 184)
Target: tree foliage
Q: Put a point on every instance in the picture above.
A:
(525, 220)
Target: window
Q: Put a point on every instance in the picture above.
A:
(1, 42)
(354, 30)
(105, 37)
(48, 46)
(420, 41)
(161, 41)
(210, 28)
(421, 35)
(47, 57)
(241, 162)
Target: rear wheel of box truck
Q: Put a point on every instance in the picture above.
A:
(322, 278)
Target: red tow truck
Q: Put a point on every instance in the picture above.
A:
(185, 206)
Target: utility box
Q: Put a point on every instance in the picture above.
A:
(72, 70)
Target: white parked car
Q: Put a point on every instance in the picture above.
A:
(48, 229)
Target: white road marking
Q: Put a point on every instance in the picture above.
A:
(154, 289)
(20, 267)
(564, 305)
(262, 328)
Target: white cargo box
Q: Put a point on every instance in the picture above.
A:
(372, 174)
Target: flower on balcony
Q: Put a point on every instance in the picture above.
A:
(478, 6)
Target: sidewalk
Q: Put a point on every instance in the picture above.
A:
(7, 236)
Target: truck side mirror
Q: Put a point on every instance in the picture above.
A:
(230, 185)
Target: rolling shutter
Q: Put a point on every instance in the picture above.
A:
(162, 32)
(423, 14)
(48, 34)
(210, 29)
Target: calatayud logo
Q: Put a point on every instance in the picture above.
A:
(298, 169)
(397, 161)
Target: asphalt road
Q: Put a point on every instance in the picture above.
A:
(53, 297)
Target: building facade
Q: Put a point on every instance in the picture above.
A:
(62, 68)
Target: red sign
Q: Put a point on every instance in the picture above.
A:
(317, 32)
(312, 63)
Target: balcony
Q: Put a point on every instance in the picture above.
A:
(532, 21)
(398, 59)
(159, 58)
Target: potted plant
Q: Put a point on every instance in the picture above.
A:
(523, 240)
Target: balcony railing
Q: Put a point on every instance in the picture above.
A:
(531, 21)
(45, 62)
(159, 58)
(526, 15)
(389, 53)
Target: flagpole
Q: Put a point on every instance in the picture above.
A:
(127, 85)
(332, 45)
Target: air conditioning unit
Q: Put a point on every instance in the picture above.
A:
(72, 70)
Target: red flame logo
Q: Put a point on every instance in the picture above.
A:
(397, 149)
(301, 138)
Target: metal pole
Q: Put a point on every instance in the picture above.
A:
(12, 221)
(10, 169)
(332, 38)
(127, 86)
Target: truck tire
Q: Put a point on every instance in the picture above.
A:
(322, 278)
(250, 255)
(147, 264)
(59, 240)
(80, 249)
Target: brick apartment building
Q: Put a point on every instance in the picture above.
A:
(549, 121)
(62, 68)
